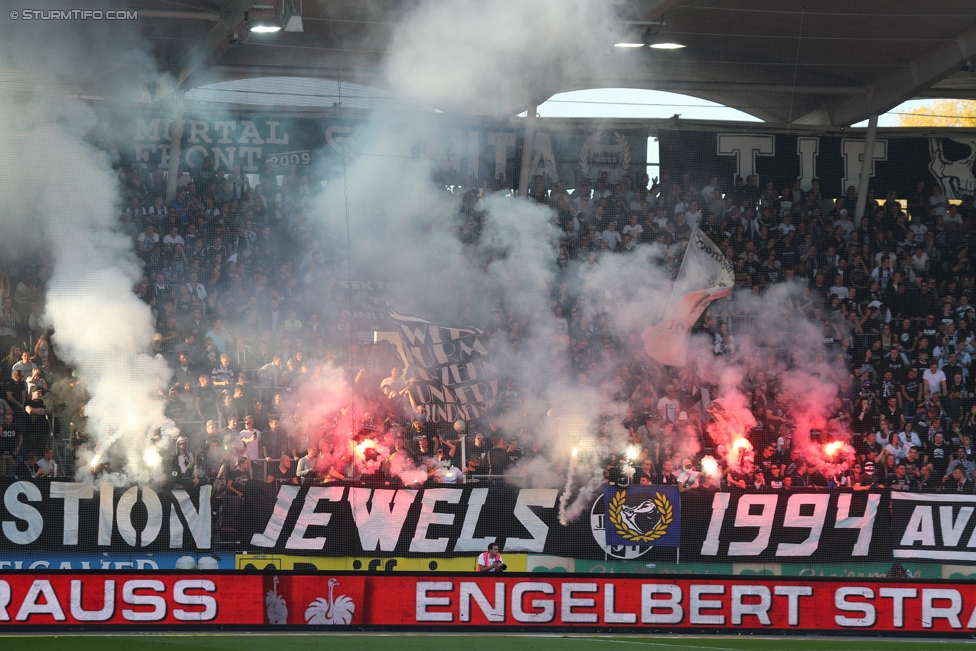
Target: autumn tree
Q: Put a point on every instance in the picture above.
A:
(941, 113)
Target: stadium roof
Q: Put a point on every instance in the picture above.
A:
(830, 63)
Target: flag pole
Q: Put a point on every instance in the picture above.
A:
(684, 258)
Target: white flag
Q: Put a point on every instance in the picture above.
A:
(705, 275)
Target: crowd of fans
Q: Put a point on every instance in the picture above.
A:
(890, 296)
(249, 310)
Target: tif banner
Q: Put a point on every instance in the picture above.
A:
(898, 161)
(449, 371)
(202, 601)
(643, 515)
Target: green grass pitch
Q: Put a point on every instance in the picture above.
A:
(471, 642)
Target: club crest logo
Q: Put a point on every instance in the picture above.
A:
(643, 523)
(643, 516)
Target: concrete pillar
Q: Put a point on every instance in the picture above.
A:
(175, 149)
(528, 144)
(866, 164)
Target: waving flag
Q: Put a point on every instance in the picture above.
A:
(449, 371)
(705, 275)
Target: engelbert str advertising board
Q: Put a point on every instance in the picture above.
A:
(518, 602)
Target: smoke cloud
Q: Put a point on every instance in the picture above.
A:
(62, 200)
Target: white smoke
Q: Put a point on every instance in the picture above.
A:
(62, 198)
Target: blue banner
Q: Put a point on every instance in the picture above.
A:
(646, 516)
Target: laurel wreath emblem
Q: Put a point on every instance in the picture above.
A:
(663, 505)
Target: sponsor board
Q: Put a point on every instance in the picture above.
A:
(517, 602)
(638, 567)
(515, 563)
(113, 561)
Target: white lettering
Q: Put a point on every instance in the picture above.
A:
(868, 613)
(763, 521)
(24, 512)
(793, 594)
(569, 602)
(209, 604)
(51, 605)
(309, 518)
(424, 601)
(130, 597)
(720, 504)
(813, 522)
(272, 531)
(546, 608)
(538, 530)
(697, 604)
(492, 612)
(610, 615)
(466, 541)
(649, 604)
(898, 596)
(920, 527)
(77, 603)
(758, 610)
(379, 528)
(949, 613)
(428, 517)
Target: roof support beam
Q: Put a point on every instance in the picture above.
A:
(901, 84)
(206, 48)
(651, 10)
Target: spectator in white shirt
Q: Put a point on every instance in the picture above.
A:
(173, 238)
(935, 379)
(635, 230)
(611, 236)
(46, 465)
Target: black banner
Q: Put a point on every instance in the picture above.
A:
(72, 516)
(898, 162)
(353, 520)
(449, 371)
(933, 527)
(477, 148)
(766, 526)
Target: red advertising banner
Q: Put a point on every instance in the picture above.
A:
(635, 603)
(325, 600)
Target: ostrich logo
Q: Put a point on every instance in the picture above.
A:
(332, 612)
(277, 609)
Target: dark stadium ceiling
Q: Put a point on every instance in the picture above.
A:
(825, 62)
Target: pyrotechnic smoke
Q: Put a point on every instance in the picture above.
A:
(61, 196)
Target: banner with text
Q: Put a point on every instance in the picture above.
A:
(449, 371)
(479, 149)
(76, 516)
(898, 162)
